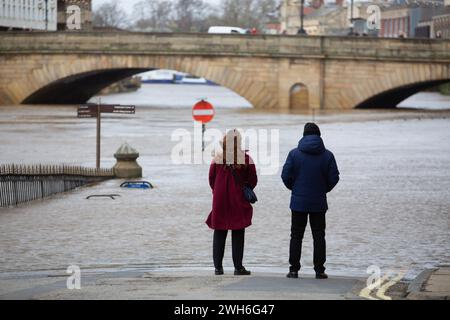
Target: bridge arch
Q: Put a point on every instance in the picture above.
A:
(299, 96)
(79, 88)
(384, 85)
(391, 98)
(73, 79)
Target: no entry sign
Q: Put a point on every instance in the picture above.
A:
(203, 112)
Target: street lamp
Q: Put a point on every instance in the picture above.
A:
(46, 15)
(302, 16)
(352, 28)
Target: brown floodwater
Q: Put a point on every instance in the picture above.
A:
(391, 207)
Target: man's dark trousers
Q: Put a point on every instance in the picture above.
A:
(299, 222)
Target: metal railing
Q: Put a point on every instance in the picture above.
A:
(23, 183)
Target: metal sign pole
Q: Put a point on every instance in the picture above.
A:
(203, 136)
(95, 110)
(98, 133)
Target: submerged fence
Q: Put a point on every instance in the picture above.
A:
(20, 183)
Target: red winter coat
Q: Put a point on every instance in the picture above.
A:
(230, 210)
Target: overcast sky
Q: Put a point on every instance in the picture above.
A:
(127, 5)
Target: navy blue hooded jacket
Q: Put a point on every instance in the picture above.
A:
(310, 172)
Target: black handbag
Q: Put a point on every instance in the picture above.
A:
(249, 194)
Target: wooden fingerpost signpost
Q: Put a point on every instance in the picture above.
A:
(203, 112)
(92, 110)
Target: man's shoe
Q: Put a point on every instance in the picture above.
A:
(322, 275)
(242, 272)
(292, 274)
(219, 271)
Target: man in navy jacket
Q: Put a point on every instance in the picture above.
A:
(310, 172)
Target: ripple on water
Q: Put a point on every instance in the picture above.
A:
(389, 209)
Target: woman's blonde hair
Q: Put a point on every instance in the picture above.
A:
(232, 153)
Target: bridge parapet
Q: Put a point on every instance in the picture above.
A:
(357, 48)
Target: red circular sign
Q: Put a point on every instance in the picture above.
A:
(203, 112)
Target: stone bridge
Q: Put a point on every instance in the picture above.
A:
(271, 72)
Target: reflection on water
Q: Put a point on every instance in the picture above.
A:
(176, 96)
(427, 100)
(390, 209)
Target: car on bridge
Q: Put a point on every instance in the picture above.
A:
(226, 30)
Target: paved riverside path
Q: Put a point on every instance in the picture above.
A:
(190, 285)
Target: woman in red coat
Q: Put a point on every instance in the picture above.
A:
(230, 210)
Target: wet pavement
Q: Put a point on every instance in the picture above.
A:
(390, 209)
(430, 284)
(177, 285)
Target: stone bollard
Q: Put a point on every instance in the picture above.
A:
(126, 166)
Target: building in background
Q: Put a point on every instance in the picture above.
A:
(50, 15)
(28, 15)
(85, 13)
(423, 19)
(434, 22)
(435, 27)
(396, 22)
(441, 26)
(327, 20)
(290, 15)
(337, 19)
(273, 27)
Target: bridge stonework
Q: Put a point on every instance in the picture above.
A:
(339, 72)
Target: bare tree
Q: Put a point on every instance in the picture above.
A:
(110, 14)
(267, 11)
(248, 13)
(231, 13)
(197, 16)
(153, 15)
(212, 18)
(188, 13)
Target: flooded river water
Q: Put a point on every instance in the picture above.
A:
(391, 207)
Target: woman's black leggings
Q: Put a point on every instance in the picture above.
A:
(237, 243)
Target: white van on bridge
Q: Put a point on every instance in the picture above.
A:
(225, 30)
